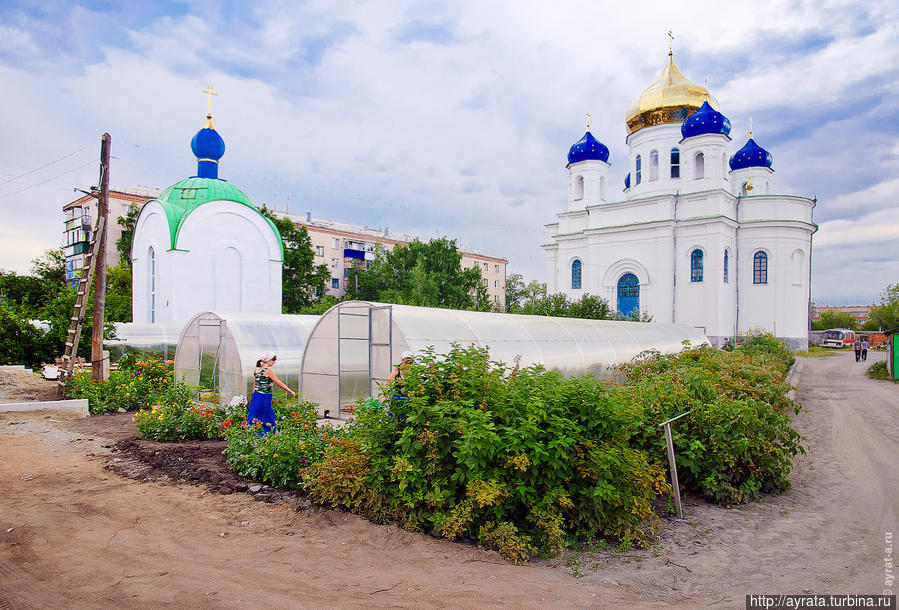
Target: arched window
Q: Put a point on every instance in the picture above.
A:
(151, 272)
(798, 265)
(638, 172)
(653, 166)
(576, 274)
(696, 265)
(579, 187)
(675, 163)
(726, 261)
(760, 268)
(602, 188)
(628, 294)
(699, 166)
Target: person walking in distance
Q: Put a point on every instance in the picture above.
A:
(864, 349)
(261, 410)
(858, 349)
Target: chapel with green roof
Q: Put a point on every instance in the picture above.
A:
(202, 245)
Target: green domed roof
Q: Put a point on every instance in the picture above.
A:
(183, 197)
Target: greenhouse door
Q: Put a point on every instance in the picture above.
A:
(209, 351)
(380, 347)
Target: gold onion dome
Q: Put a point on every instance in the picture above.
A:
(670, 99)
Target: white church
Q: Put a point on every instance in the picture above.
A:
(202, 245)
(700, 238)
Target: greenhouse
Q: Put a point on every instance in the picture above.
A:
(157, 339)
(355, 344)
(217, 352)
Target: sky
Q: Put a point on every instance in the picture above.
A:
(445, 118)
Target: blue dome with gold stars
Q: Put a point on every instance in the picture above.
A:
(705, 120)
(588, 148)
(751, 155)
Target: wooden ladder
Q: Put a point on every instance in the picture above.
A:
(77, 319)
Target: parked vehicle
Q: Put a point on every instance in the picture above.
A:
(838, 337)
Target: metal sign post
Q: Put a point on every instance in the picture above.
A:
(675, 486)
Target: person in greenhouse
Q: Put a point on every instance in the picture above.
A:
(261, 410)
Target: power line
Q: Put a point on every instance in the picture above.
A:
(37, 169)
(91, 162)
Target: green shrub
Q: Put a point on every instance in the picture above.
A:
(515, 459)
(279, 458)
(135, 385)
(878, 370)
(738, 440)
(176, 417)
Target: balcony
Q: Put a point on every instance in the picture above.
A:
(79, 222)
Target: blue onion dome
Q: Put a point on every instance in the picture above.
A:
(705, 120)
(627, 181)
(751, 155)
(588, 148)
(209, 147)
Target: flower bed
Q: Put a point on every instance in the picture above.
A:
(136, 384)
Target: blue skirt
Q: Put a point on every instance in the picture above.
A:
(261, 411)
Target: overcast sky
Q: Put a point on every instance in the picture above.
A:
(445, 118)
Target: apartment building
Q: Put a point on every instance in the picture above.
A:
(343, 246)
(860, 313)
(80, 222)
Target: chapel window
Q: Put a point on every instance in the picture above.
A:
(699, 166)
(653, 166)
(675, 163)
(696, 265)
(151, 256)
(726, 257)
(639, 170)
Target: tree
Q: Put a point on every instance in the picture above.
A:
(535, 291)
(118, 293)
(515, 292)
(428, 274)
(835, 319)
(886, 314)
(302, 282)
(123, 243)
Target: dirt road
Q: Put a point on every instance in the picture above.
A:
(73, 534)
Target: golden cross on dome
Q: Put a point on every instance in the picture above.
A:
(750, 128)
(588, 120)
(670, 43)
(208, 90)
(708, 95)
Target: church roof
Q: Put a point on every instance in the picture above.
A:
(185, 196)
(705, 120)
(586, 148)
(751, 155)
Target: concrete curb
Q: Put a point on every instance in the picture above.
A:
(78, 406)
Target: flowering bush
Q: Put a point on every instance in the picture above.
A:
(278, 458)
(177, 417)
(135, 385)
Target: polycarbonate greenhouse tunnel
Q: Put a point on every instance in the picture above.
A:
(355, 344)
(217, 352)
(157, 339)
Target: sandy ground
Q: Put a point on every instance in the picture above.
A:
(21, 386)
(75, 534)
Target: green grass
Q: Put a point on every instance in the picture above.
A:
(816, 351)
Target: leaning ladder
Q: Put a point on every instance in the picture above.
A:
(77, 319)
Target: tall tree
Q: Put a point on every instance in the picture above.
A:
(123, 243)
(835, 319)
(428, 274)
(302, 282)
(886, 314)
(515, 292)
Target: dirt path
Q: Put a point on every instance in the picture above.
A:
(82, 536)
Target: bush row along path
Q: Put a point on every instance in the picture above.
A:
(75, 534)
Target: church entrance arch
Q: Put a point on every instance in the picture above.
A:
(628, 294)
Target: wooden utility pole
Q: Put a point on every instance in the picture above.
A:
(99, 366)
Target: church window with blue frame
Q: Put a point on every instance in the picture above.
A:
(760, 268)
(639, 171)
(576, 266)
(726, 257)
(653, 165)
(675, 163)
(696, 265)
(628, 294)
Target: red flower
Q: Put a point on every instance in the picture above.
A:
(304, 461)
(294, 414)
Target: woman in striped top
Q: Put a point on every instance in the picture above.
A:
(261, 410)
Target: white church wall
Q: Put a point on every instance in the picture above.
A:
(152, 277)
(587, 183)
(712, 173)
(661, 138)
(762, 181)
(231, 246)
